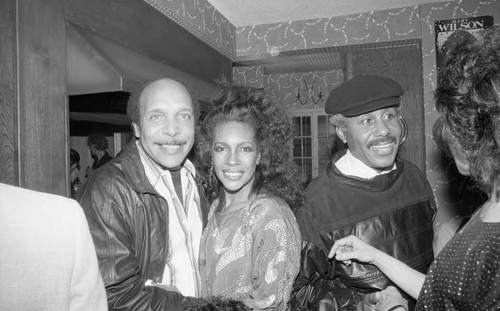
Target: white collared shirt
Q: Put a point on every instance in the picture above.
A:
(185, 225)
(352, 166)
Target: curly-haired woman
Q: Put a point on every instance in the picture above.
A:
(466, 273)
(251, 245)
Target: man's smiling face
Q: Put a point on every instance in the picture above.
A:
(373, 137)
(167, 123)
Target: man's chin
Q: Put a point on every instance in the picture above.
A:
(387, 164)
(172, 162)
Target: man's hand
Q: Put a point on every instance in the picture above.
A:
(261, 304)
(328, 303)
(387, 299)
(390, 298)
(369, 303)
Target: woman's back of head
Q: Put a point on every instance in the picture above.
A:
(468, 98)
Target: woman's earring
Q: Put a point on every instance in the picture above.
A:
(405, 130)
(211, 170)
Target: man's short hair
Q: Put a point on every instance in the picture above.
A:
(134, 105)
(99, 141)
(338, 121)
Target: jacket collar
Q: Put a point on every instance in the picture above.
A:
(133, 169)
(375, 184)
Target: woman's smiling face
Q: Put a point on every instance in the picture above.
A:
(235, 157)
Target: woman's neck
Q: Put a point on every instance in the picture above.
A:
(236, 200)
(490, 211)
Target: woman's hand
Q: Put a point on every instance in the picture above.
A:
(406, 278)
(351, 247)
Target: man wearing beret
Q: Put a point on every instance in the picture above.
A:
(369, 192)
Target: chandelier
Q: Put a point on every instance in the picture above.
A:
(309, 94)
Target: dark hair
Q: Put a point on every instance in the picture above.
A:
(468, 98)
(220, 304)
(134, 105)
(74, 157)
(98, 140)
(276, 173)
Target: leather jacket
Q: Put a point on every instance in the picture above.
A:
(128, 220)
(393, 212)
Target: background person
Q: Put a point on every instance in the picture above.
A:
(47, 258)
(74, 160)
(98, 145)
(145, 209)
(466, 273)
(366, 190)
(251, 246)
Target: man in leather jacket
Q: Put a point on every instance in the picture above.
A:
(368, 192)
(145, 209)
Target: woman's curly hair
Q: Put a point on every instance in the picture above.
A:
(276, 173)
(468, 98)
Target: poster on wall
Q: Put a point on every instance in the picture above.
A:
(451, 32)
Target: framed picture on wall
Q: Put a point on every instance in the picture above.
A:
(452, 32)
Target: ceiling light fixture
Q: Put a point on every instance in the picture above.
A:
(309, 94)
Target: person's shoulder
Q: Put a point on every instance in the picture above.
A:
(271, 206)
(107, 175)
(321, 186)
(36, 203)
(411, 168)
(107, 186)
(268, 200)
(23, 195)
(319, 181)
(417, 178)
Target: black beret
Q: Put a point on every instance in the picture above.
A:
(363, 94)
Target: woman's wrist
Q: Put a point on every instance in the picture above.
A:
(378, 257)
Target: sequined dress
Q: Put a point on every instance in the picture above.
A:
(466, 274)
(251, 251)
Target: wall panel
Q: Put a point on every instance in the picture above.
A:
(8, 117)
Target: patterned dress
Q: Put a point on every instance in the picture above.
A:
(251, 251)
(466, 274)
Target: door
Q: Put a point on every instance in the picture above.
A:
(404, 65)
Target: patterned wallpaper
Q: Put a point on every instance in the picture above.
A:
(283, 89)
(372, 27)
(369, 27)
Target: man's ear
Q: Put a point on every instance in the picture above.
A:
(341, 135)
(463, 165)
(137, 131)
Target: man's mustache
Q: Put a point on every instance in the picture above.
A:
(383, 140)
